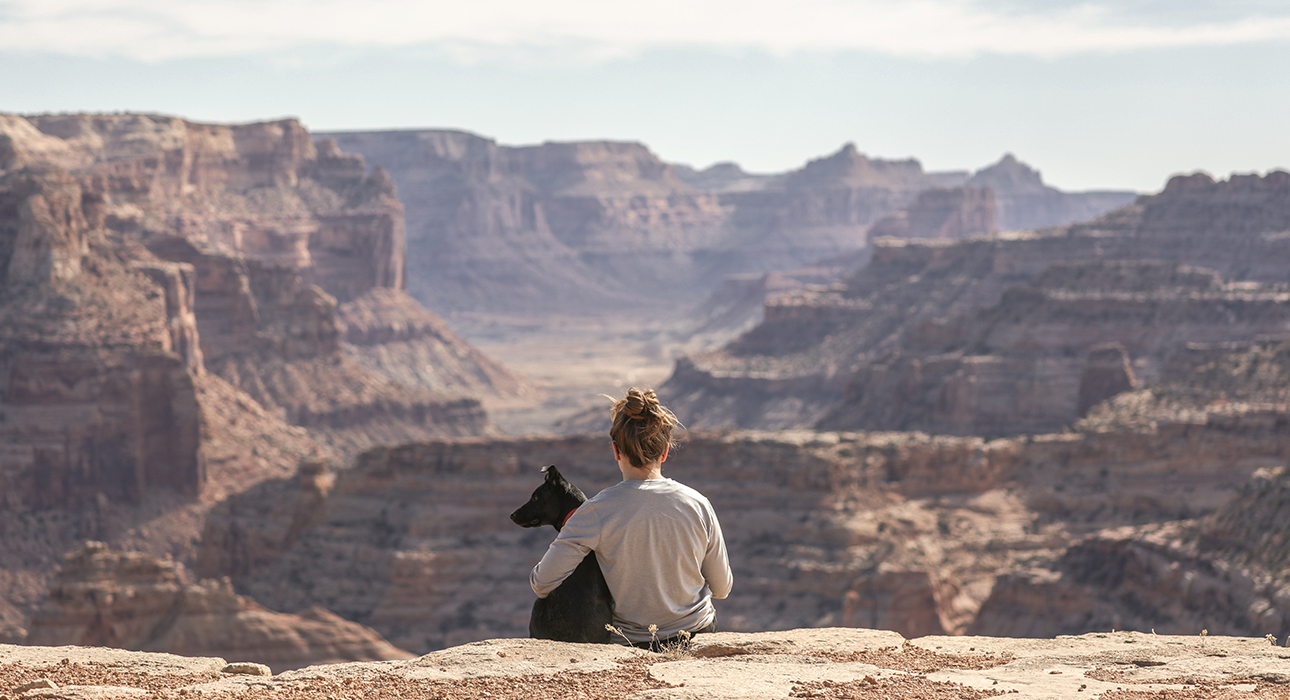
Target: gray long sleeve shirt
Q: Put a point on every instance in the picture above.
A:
(660, 547)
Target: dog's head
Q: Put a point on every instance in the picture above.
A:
(550, 502)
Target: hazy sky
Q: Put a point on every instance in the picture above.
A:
(1095, 94)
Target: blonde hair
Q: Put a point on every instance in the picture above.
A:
(642, 428)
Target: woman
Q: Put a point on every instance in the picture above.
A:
(658, 541)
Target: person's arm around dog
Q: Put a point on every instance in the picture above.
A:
(578, 535)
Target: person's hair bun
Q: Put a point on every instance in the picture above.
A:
(642, 427)
(638, 404)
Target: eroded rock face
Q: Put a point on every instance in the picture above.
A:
(990, 335)
(1225, 570)
(1129, 580)
(1022, 201)
(941, 214)
(1040, 359)
(96, 379)
(898, 530)
(594, 225)
(171, 330)
(139, 252)
(135, 601)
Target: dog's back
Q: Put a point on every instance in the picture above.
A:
(581, 608)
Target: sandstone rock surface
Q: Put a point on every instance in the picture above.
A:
(582, 227)
(989, 335)
(134, 601)
(174, 300)
(141, 251)
(771, 665)
(902, 531)
(1022, 202)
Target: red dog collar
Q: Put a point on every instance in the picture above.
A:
(566, 518)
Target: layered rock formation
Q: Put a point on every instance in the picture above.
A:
(589, 226)
(134, 601)
(1023, 202)
(187, 310)
(140, 252)
(582, 227)
(1039, 359)
(1228, 570)
(941, 214)
(97, 367)
(896, 530)
(953, 326)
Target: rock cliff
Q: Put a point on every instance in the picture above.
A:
(1227, 567)
(1022, 201)
(135, 601)
(581, 227)
(186, 310)
(957, 323)
(941, 214)
(141, 252)
(592, 225)
(901, 531)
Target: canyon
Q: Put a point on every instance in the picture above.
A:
(588, 227)
(991, 335)
(900, 531)
(934, 403)
(189, 309)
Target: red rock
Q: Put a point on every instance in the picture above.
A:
(141, 603)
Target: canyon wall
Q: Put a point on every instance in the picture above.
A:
(568, 227)
(103, 598)
(900, 531)
(985, 339)
(1227, 567)
(594, 225)
(140, 253)
(1022, 202)
(189, 309)
(941, 213)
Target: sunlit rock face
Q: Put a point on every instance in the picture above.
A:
(104, 598)
(585, 226)
(992, 335)
(140, 254)
(900, 531)
(1023, 202)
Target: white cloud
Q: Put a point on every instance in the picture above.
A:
(157, 30)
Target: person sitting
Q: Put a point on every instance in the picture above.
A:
(658, 541)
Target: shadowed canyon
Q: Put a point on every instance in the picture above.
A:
(274, 390)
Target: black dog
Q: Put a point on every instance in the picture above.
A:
(580, 608)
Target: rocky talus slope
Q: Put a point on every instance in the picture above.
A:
(817, 663)
(991, 335)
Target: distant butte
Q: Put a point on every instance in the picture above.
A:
(577, 228)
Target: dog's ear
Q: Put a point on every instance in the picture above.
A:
(552, 474)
